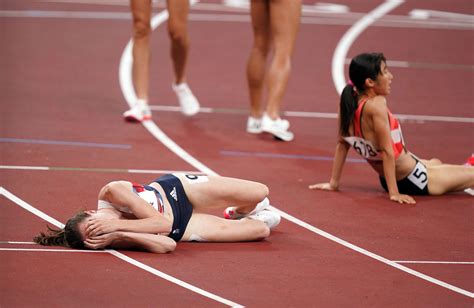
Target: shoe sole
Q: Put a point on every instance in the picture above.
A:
(191, 111)
(254, 131)
(281, 135)
(272, 222)
(133, 119)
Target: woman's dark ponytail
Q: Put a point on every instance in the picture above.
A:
(362, 67)
(67, 237)
(55, 237)
(347, 108)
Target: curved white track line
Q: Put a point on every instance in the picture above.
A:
(349, 37)
(126, 83)
(130, 96)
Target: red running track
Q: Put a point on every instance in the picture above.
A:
(60, 83)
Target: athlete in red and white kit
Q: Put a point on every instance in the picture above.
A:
(367, 125)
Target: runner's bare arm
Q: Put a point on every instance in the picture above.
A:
(120, 193)
(340, 155)
(378, 113)
(131, 240)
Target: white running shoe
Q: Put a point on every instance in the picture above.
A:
(270, 218)
(189, 103)
(231, 212)
(278, 128)
(138, 113)
(254, 125)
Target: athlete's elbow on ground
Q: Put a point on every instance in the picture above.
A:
(165, 247)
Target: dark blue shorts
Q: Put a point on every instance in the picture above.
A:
(180, 205)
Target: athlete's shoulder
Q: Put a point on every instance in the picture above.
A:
(377, 105)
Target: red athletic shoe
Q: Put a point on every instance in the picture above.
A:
(470, 161)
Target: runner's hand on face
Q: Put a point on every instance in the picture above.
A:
(322, 186)
(400, 198)
(97, 226)
(101, 241)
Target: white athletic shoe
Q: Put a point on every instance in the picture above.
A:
(278, 128)
(189, 103)
(231, 212)
(138, 113)
(254, 125)
(270, 218)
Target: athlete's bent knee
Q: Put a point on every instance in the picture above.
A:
(263, 191)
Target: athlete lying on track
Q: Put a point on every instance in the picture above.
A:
(154, 217)
(366, 124)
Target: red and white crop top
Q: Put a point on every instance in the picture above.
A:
(364, 147)
(147, 193)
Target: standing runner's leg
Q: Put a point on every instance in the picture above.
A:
(256, 64)
(178, 33)
(141, 13)
(284, 24)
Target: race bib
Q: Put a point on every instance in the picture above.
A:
(419, 176)
(364, 147)
(196, 179)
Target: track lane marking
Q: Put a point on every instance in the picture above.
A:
(103, 251)
(351, 35)
(45, 168)
(69, 143)
(372, 255)
(128, 91)
(320, 115)
(120, 255)
(51, 250)
(393, 21)
(436, 262)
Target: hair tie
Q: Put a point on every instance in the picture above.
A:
(354, 88)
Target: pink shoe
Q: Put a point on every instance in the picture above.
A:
(138, 113)
(470, 161)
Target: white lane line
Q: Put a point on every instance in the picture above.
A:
(173, 279)
(393, 21)
(51, 250)
(119, 255)
(24, 167)
(44, 168)
(349, 37)
(424, 65)
(163, 171)
(130, 96)
(435, 262)
(426, 14)
(321, 115)
(30, 208)
(73, 250)
(469, 191)
(371, 254)
(126, 84)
